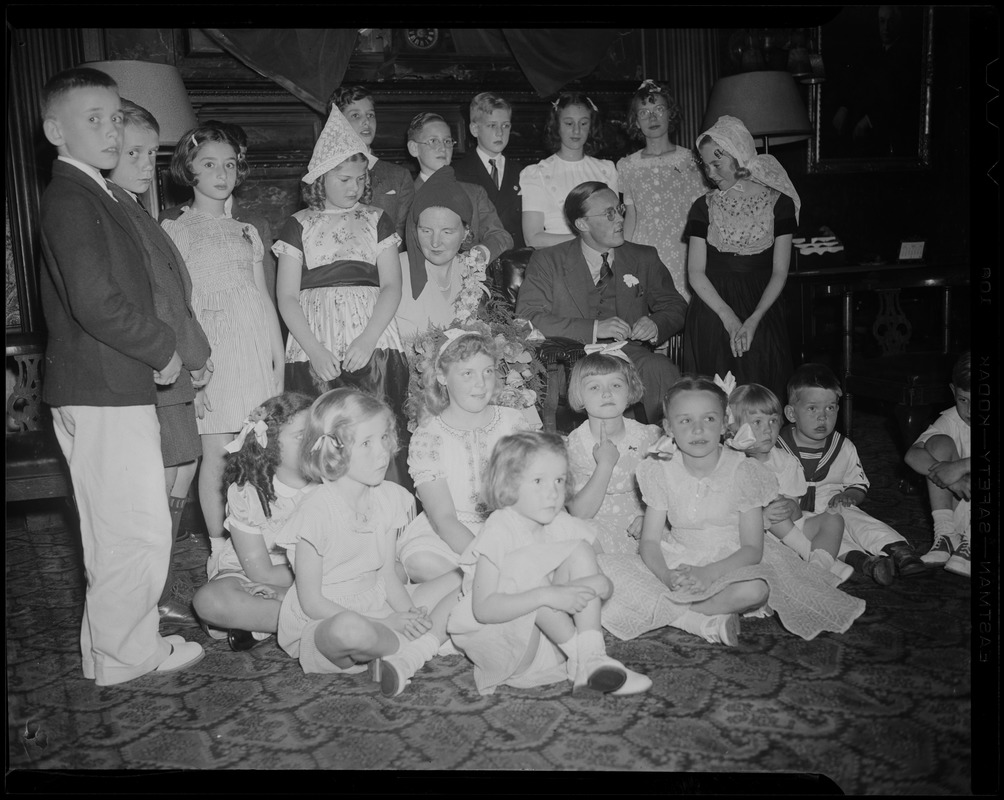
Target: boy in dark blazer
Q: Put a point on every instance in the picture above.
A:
(105, 354)
(180, 443)
(491, 124)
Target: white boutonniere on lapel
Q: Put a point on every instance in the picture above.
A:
(632, 282)
(517, 189)
(392, 191)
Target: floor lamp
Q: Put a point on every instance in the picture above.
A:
(767, 101)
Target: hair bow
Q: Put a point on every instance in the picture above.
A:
(592, 105)
(743, 439)
(664, 449)
(554, 104)
(649, 84)
(615, 349)
(195, 142)
(260, 429)
(320, 440)
(452, 335)
(727, 385)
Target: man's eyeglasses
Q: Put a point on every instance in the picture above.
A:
(655, 111)
(611, 213)
(436, 143)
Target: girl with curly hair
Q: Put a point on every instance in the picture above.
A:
(249, 574)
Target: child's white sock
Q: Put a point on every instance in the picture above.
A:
(590, 643)
(943, 524)
(216, 544)
(397, 669)
(798, 542)
(571, 651)
(713, 628)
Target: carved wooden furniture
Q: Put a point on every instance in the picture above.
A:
(35, 465)
(916, 382)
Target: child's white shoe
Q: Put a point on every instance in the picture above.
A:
(636, 683)
(599, 673)
(722, 629)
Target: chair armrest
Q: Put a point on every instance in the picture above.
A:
(559, 350)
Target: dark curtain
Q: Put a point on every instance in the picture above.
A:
(552, 57)
(308, 63)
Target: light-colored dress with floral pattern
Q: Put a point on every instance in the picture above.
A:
(662, 189)
(441, 452)
(545, 185)
(622, 501)
(339, 285)
(220, 254)
(704, 515)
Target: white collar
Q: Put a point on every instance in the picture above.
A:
(484, 155)
(87, 169)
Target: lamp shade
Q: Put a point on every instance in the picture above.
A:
(768, 103)
(156, 87)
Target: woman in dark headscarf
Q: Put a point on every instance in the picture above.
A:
(433, 267)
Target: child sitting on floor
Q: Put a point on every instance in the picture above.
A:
(941, 453)
(836, 479)
(755, 416)
(249, 574)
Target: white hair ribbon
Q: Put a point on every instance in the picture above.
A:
(592, 105)
(452, 335)
(743, 440)
(615, 349)
(320, 440)
(649, 84)
(663, 449)
(727, 385)
(260, 429)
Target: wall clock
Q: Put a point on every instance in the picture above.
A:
(422, 40)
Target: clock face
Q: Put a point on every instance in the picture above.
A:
(422, 38)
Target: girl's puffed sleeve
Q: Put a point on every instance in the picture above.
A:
(610, 174)
(531, 189)
(179, 235)
(784, 216)
(755, 485)
(425, 461)
(290, 240)
(791, 478)
(652, 482)
(494, 542)
(386, 233)
(244, 511)
(565, 526)
(623, 178)
(697, 219)
(400, 505)
(310, 521)
(580, 463)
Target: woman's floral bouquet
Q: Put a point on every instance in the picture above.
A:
(522, 376)
(473, 289)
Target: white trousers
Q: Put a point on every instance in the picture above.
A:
(863, 532)
(125, 528)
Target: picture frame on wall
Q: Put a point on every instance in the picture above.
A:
(873, 111)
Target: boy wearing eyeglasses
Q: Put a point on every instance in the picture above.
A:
(431, 143)
(600, 288)
(497, 174)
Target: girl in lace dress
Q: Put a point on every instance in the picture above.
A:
(739, 239)
(605, 450)
(249, 575)
(530, 611)
(714, 563)
(457, 428)
(572, 133)
(339, 282)
(230, 300)
(347, 609)
(659, 182)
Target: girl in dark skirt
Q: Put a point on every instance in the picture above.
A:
(339, 283)
(739, 251)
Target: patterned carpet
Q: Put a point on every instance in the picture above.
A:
(882, 709)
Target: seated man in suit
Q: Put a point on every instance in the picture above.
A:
(430, 142)
(600, 288)
(498, 175)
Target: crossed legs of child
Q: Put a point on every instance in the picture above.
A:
(817, 541)
(579, 635)
(717, 618)
(951, 545)
(348, 639)
(232, 602)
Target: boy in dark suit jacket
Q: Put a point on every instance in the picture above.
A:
(105, 354)
(180, 443)
(491, 123)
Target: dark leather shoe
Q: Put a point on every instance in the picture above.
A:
(241, 640)
(908, 563)
(880, 569)
(175, 612)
